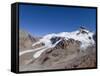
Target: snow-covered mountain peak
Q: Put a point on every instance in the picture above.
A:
(82, 35)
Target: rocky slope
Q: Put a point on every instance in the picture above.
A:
(61, 51)
(26, 40)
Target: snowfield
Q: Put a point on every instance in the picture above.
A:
(85, 38)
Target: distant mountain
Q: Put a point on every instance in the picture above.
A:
(26, 40)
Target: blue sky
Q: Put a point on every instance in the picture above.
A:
(41, 20)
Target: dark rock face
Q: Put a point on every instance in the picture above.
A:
(55, 39)
(63, 44)
(82, 27)
(94, 37)
(82, 30)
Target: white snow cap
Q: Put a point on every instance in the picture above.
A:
(82, 35)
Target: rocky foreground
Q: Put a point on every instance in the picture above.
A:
(63, 56)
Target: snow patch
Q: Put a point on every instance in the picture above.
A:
(32, 50)
(37, 54)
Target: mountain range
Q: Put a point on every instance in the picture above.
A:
(64, 50)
